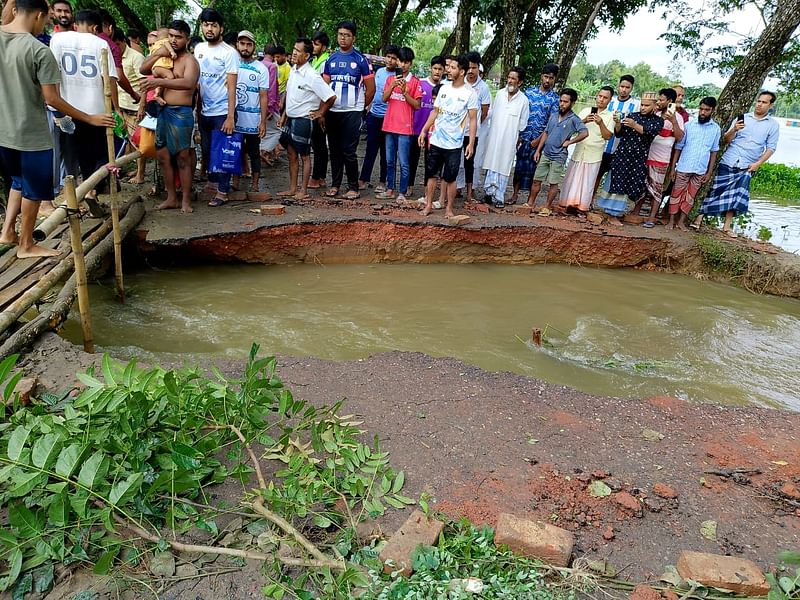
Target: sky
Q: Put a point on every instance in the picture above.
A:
(639, 42)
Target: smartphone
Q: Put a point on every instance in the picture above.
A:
(671, 107)
(740, 117)
(594, 110)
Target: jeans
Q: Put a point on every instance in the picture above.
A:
(344, 129)
(206, 126)
(375, 143)
(398, 145)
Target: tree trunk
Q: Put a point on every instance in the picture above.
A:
(463, 26)
(574, 34)
(495, 48)
(510, 33)
(386, 25)
(493, 51)
(749, 76)
(131, 18)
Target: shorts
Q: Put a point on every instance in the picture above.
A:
(297, 134)
(445, 161)
(31, 172)
(550, 170)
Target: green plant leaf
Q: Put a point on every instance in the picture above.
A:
(93, 469)
(27, 523)
(598, 489)
(185, 457)
(10, 386)
(790, 557)
(25, 481)
(68, 459)
(6, 365)
(58, 510)
(88, 380)
(104, 563)
(399, 481)
(122, 491)
(16, 443)
(787, 584)
(45, 450)
(78, 500)
(108, 373)
(14, 568)
(22, 587)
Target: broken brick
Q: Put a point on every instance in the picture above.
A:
(664, 491)
(523, 210)
(25, 388)
(534, 539)
(739, 575)
(273, 209)
(458, 220)
(418, 530)
(259, 196)
(627, 502)
(644, 592)
(790, 490)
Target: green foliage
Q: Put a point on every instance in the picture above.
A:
(764, 233)
(722, 257)
(134, 444)
(587, 78)
(786, 584)
(776, 180)
(465, 555)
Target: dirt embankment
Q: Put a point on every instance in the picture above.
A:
(321, 231)
(483, 443)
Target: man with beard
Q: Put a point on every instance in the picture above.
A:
(219, 66)
(752, 139)
(564, 129)
(509, 119)
(542, 104)
(660, 154)
(251, 103)
(29, 77)
(62, 15)
(176, 119)
(693, 161)
(628, 173)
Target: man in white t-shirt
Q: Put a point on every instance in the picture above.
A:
(251, 103)
(455, 106)
(80, 54)
(219, 67)
(308, 97)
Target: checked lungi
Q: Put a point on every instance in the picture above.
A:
(684, 191)
(729, 192)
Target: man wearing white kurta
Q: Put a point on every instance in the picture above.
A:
(508, 118)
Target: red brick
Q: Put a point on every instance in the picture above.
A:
(523, 210)
(594, 218)
(665, 491)
(789, 489)
(627, 502)
(25, 388)
(237, 196)
(272, 209)
(644, 592)
(635, 219)
(608, 533)
(535, 539)
(418, 530)
(482, 208)
(259, 196)
(713, 570)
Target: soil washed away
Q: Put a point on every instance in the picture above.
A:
(609, 332)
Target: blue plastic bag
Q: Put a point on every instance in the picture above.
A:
(226, 153)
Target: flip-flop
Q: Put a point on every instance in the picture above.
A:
(731, 234)
(301, 196)
(351, 195)
(545, 212)
(648, 224)
(694, 226)
(332, 193)
(285, 194)
(217, 201)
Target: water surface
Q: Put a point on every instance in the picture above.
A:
(610, 332)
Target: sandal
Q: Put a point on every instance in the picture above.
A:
(217, 201)
(545, 212)
(352, 195)
(731, 234)
(648, 224)
(332, 193)
(694, 226)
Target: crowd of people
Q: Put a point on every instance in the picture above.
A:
(619, 156)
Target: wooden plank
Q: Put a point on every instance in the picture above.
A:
(23, 266)
(12, 292)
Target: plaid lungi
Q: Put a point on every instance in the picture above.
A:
(684, 191)
(526, 166)
(654, 185)
(729, 192)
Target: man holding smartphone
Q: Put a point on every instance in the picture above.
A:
(753, 138)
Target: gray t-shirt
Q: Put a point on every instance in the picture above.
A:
(559, 132)
(26, 66)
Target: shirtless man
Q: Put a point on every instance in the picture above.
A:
(176, 119)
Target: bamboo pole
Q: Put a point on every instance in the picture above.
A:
(80, 264)
(47, 226)
(96, 247)
(112, 181)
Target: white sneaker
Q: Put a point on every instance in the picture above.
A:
(401, 197)
(437, 205)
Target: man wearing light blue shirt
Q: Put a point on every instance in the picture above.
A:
(693, 162)
(753, 138)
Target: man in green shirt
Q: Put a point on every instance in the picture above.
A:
(29, 76)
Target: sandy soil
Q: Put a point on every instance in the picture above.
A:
(482, 443)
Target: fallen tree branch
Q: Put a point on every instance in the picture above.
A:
(732, 472)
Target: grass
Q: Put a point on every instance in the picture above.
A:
(778, 181)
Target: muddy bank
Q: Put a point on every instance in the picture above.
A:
(482, 443)
(327, 232)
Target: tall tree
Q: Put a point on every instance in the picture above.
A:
(574, 35)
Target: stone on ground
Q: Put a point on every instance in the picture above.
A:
(418, 530)
(644, 592)
(458, 220)
(523, 209)
(25, 388)
(535, 539)
(665, 491)
(739, 575)
(272, 209)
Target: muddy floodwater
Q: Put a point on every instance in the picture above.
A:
(611, 332)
